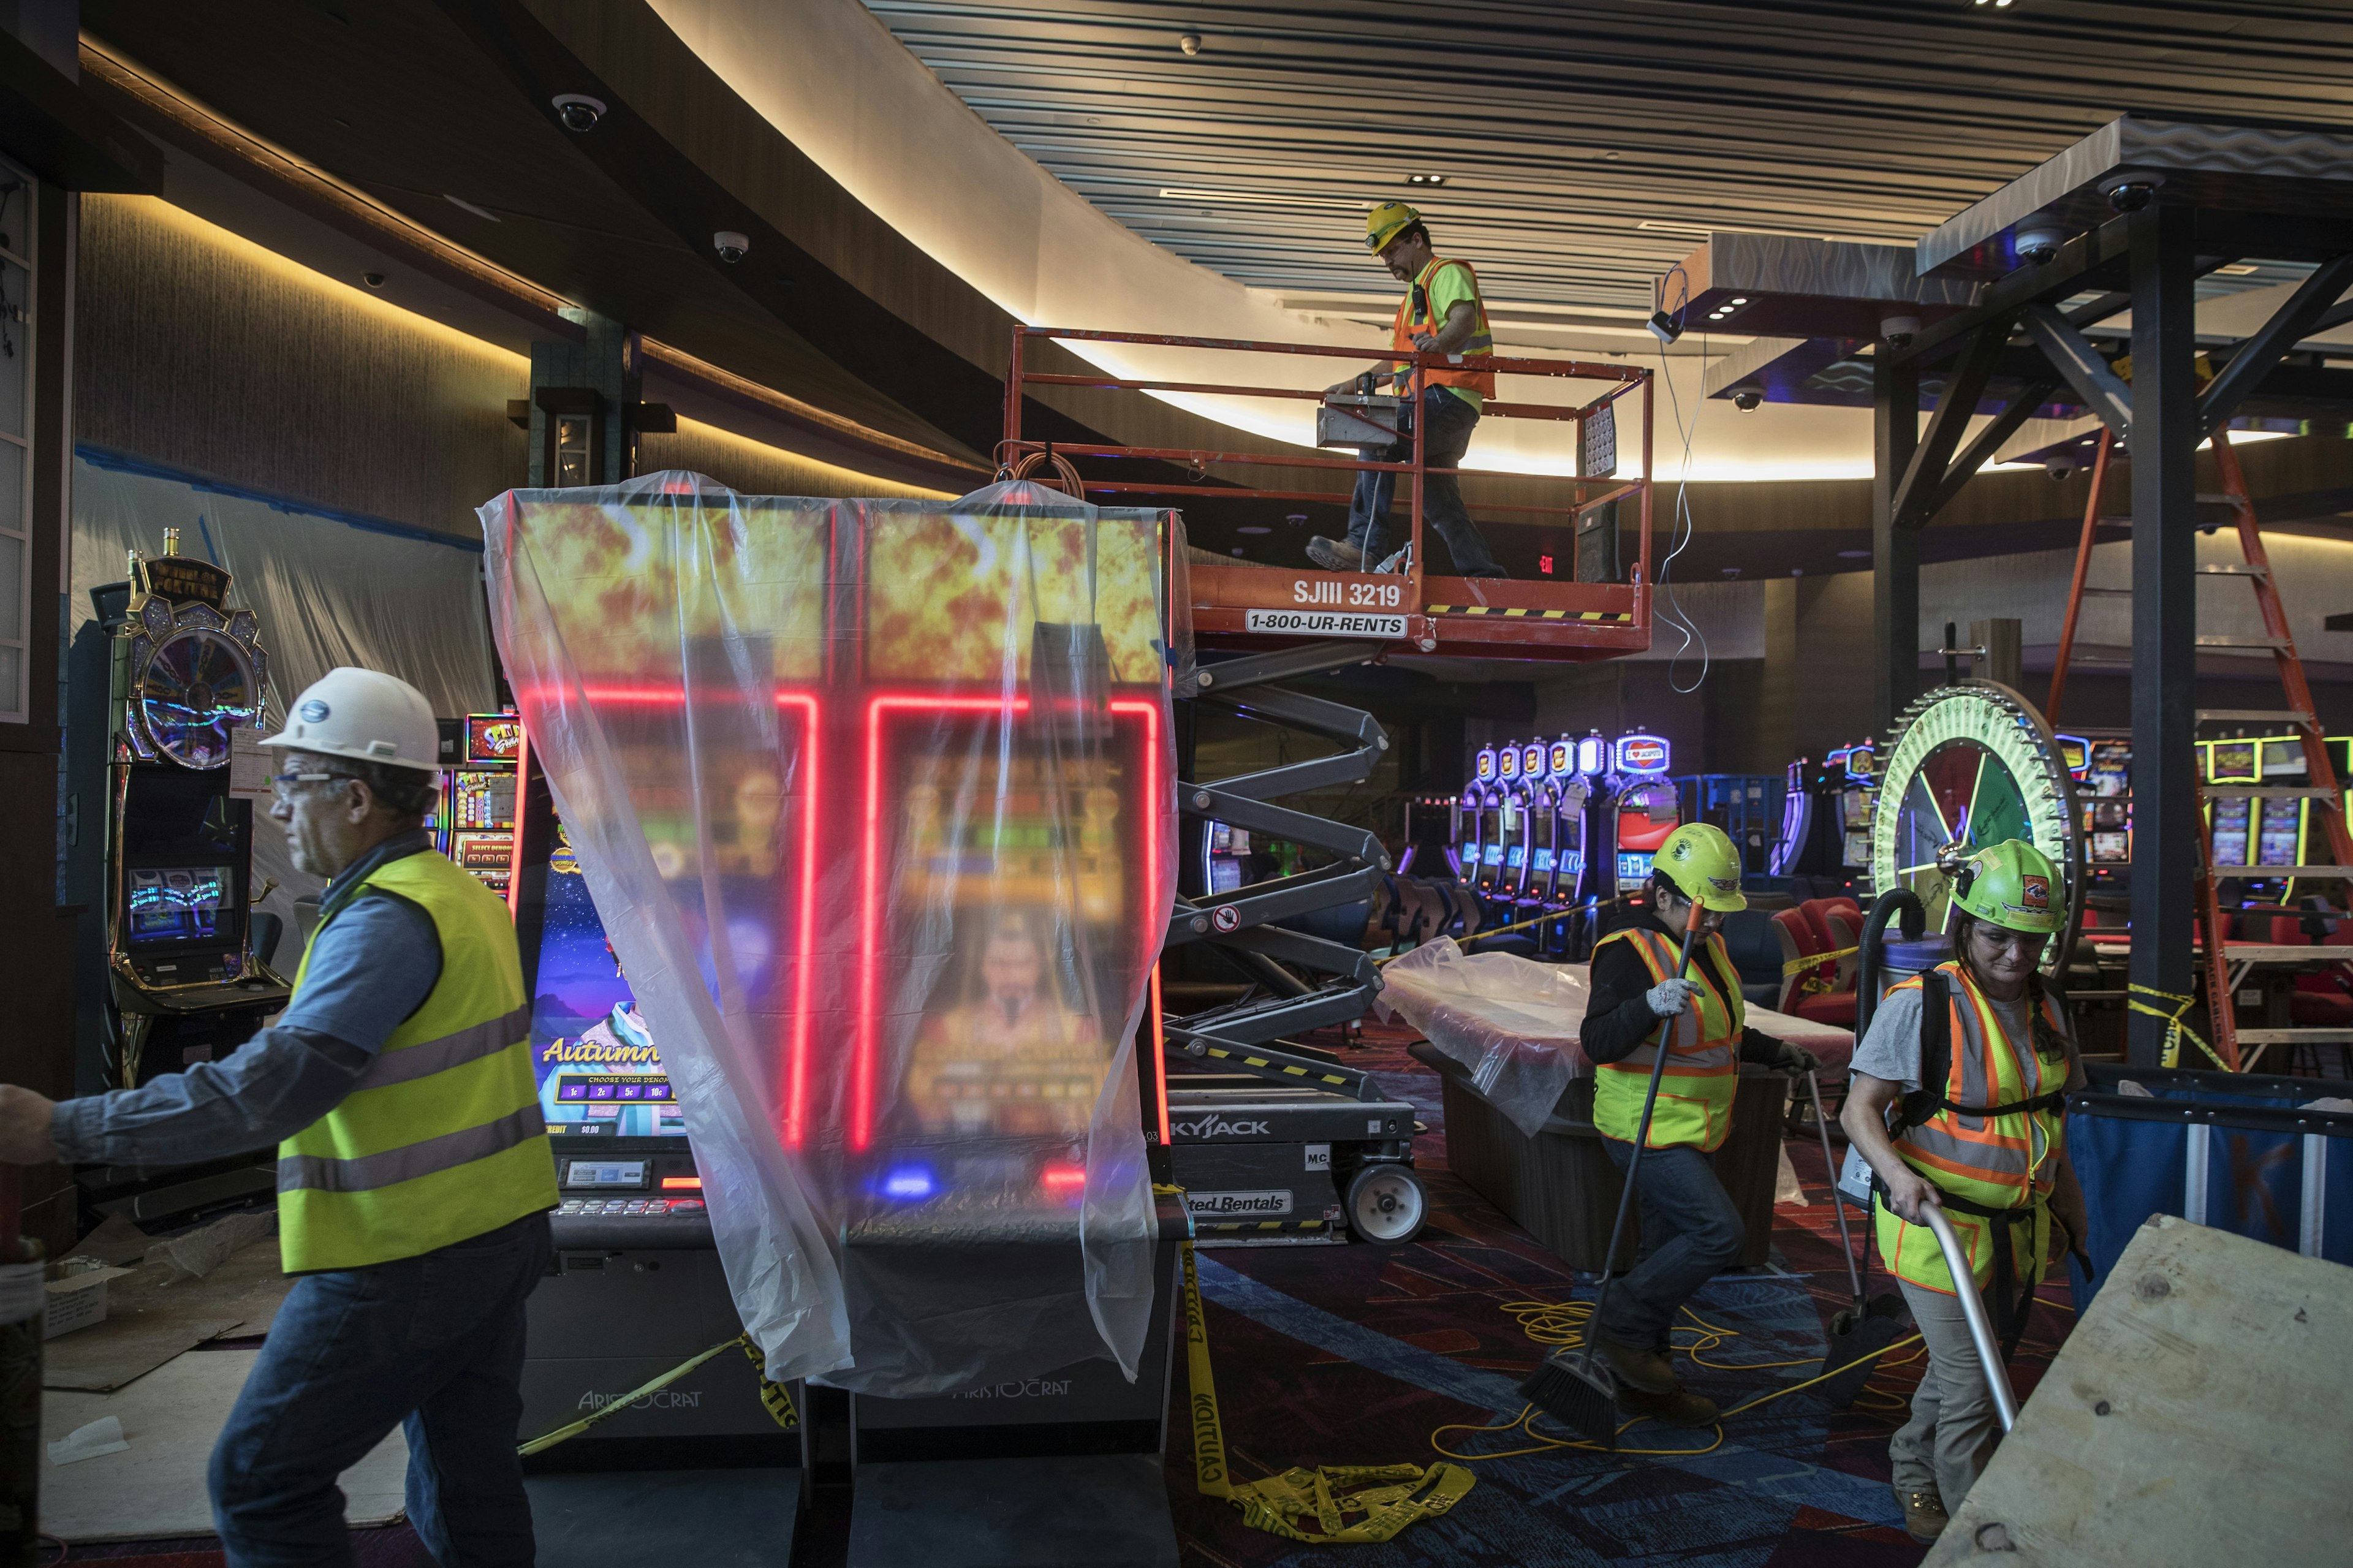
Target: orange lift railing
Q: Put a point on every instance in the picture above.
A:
(1251, 606)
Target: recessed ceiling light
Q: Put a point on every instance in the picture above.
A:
(1742, 301)
(1425, 179)
(1254, 530)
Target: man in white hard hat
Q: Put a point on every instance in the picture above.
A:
(413, 1166)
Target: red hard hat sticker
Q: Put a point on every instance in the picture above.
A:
(2034, 892)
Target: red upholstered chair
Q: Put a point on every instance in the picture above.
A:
(1800, 939)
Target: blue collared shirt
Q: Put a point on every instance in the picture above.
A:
(370, 967)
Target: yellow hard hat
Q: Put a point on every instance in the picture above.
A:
(1699, 859)
(1383, 223)
(2013, 885)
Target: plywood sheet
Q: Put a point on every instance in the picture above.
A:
(2200, 1413)
(155, 1489)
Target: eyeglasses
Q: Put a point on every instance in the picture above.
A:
(284, 784)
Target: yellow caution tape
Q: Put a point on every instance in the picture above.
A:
(1388, 1497)
(774, 1395)
(1563, 912)
(1816, 960)
(2176, 1030)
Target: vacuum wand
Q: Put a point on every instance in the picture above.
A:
(1965, 1289)
(1830, 1169)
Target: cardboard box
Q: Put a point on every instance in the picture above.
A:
(78, 1300)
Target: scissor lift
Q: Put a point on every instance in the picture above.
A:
(1284, 624)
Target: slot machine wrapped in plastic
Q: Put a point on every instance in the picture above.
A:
(875, 801)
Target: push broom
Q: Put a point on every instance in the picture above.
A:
(1570, 1385)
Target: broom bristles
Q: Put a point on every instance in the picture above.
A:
(1580, 1393)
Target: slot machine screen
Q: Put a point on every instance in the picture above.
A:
(178, 903)
(1515, 857)
(1858, 850)
(1543, 861)
(2234, 761)
(2115, 846)
(598, 1067)
(2230, 818)
(2109, 771)
(2280, 831)
(1633, 868)
(1854, 807)
(1225, 875)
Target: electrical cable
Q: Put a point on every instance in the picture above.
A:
(1680, 528)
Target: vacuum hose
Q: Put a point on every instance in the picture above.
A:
(1900, 902)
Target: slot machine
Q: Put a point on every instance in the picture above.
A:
(2103, 792)
(163, 770)
(473, 824)
(2232, 816)
(1470, 817)
(1648, 809)
(1568, 821)
(1224, 859)
(1509, 858)
(2279, 825)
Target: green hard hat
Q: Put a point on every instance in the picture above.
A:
(2012, 885)
(1699, 858)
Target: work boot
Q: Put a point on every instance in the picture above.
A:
(1334, 554)
(1924, 1515)
(1644, 1369)
(1681, 1408)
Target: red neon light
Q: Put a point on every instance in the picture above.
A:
(804, 924)
(681, 1184)
(1062, 1178)
(1155, 904)
(1159, 1058)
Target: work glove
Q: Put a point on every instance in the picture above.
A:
(1670, 997)
(1796, 1060)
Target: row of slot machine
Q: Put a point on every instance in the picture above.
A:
(1826, 811)
(1520, 826)
(2267, 831)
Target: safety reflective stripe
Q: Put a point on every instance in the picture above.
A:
(1688, 1051)
(367, 1172)
(429, 1057)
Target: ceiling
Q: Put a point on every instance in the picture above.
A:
(1586, 144)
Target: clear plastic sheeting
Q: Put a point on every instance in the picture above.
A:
(1512, 1022)
(875, 800)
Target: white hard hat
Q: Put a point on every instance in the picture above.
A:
(365, 715)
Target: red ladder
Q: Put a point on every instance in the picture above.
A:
(2324, 792)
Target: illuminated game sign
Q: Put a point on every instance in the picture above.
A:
(1642, 754)
(1593, 755)
(1531, 761)
(1508, 761)
(1563, 761)
(492, 737)
(1486, 764)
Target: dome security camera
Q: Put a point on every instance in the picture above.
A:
(2039, 244)
(2060, 471)
(578, 111)
(2131, 195)
(730, 244)
(1747, 400)
(1899, 331)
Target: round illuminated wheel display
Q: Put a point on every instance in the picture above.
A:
(1970, 766)
(199, 684)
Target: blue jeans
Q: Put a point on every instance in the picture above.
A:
(1690, 1232)
(432, 1344)
(1447, 422)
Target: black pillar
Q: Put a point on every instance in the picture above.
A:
(2165, 612)
(1894, 543)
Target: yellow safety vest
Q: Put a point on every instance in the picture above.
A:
(2002, 1162)
(1703, 1075)
(1477, 352)
(441, 1139)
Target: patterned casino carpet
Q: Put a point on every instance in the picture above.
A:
(1353, 1355)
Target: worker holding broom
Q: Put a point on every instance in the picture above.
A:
(1644, 1000)
(1957, 1101)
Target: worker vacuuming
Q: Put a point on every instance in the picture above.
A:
(1441, 313)
(1957, 1099)
(1641, 1002)
(413, 1167)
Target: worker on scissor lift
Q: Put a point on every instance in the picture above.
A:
(1981, 1059)
(1638, 1005)
(1441, 314)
